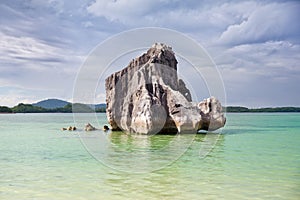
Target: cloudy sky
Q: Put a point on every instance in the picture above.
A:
(255, 44)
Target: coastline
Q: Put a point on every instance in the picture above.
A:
(87, 108)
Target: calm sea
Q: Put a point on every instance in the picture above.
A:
(256, 156)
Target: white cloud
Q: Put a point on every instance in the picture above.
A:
(264, 74)
(88, 24)
(225, 22)
(270, 58)
(20, 49)
(55, 6)
(32, 65)
(33, 54)
(168, 13)
(11, 96)
(13, 99)
(274, 21)
(40, 53)
(43, 43)
(123, 10)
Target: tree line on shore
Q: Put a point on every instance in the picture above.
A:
(239, 109)
(69, 108)
(83, 108)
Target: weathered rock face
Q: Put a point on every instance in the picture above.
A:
(146, 97)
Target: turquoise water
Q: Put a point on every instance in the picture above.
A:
(256, 156)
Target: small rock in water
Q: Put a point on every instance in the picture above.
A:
(105, 128)
(89, 127)
(70, 128)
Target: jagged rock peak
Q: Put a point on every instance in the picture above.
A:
(161, 47)
(158, 53)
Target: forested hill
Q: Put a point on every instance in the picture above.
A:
(68, 108)
(51, 103)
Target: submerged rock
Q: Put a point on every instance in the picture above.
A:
(89, 127)
(147, 97)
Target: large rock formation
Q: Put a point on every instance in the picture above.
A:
(146, 97)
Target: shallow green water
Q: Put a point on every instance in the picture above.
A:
(256, 156)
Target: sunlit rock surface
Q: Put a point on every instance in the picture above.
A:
(147, 97)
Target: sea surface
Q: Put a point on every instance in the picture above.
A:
(255, 156)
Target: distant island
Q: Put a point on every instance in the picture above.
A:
(54, 106)
(61, 106)
(240, 109)
(51, 103)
